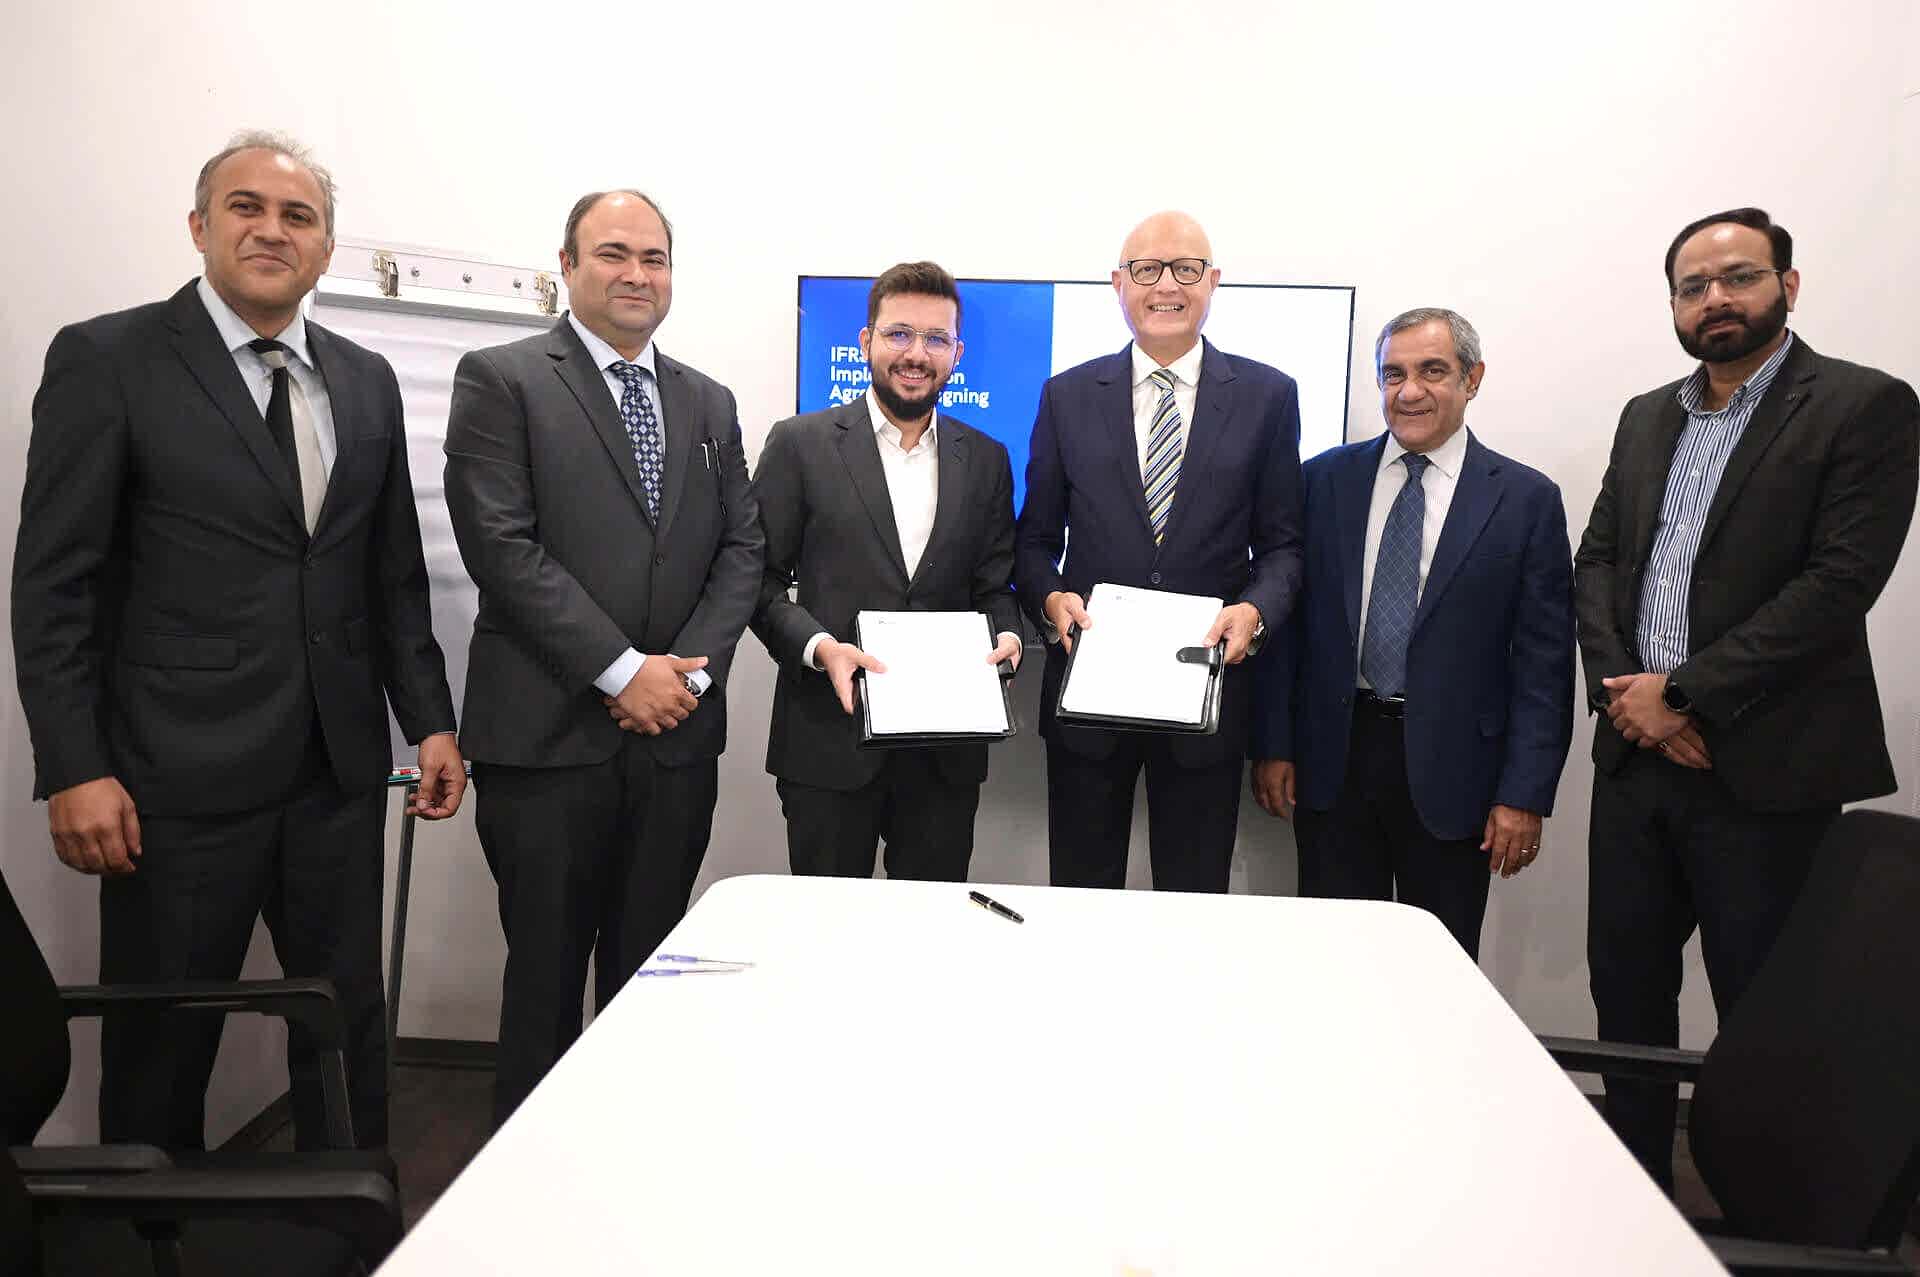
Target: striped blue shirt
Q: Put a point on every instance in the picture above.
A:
(1699, 459)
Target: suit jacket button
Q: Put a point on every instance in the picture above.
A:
(1154, 579)
(659, 559)
(316, 638)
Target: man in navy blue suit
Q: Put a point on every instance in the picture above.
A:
(1419, 708)
(1169, 466)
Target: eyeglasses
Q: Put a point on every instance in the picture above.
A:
(1694, 287)
(1186, 270)
(900, 338)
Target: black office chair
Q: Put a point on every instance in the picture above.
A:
(1805, 1121)
(135, 1208)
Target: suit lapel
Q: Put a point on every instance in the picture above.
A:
(1352, 499)
(683, 429)
(1791, 388)
(1115, 381)
(950, 492)
(861, 453)
(1474, 497)
(1651, 487)
(1212, 410)
(198, 344)
(574, 366)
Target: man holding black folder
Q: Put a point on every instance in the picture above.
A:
(1170, 466)
(883, 504)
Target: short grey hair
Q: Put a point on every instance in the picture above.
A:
(1466, 342)
(279, 144)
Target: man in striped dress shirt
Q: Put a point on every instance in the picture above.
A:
(1750, 515)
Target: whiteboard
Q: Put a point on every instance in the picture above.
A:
(424, 342)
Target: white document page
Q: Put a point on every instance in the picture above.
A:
(938, 678)
(1125, 665)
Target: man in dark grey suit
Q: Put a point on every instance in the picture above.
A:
(1751, 514)
(218, 589)
(599, 495)
(880, 505)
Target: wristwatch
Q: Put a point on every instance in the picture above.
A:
(1677, 701)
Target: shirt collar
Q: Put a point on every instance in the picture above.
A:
(891, 433)
(235, 332)
(1693, 390)
(1447, 458)
(603, 354)
(1185, 369)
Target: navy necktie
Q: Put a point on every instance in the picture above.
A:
(1396, 586)
(643, 431)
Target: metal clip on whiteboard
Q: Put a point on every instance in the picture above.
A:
(388, 271)
(548, 293)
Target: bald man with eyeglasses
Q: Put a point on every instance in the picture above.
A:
(1170, 465)
(883, 504)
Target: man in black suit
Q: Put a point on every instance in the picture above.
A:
(1171, 466)
(599, 495)
(218, 575)
(880, 505)
(1750, 515)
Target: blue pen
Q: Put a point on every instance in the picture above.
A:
(651, 971)
(688, 959)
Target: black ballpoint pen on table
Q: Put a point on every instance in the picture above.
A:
(994, 906)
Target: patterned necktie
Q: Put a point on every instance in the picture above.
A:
(643, 431)
(1396, 585)
(290, 422)
(1165, 442)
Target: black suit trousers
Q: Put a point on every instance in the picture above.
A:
(1192, 813)
(591, 862)
(1671, 849)
(1372, 845)
(312, 865)
(925, 820)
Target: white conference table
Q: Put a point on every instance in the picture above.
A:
(1127, 1083)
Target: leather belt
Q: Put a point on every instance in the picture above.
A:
(1381, 706)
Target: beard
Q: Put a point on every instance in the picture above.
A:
(900, 406)
(1737, 343)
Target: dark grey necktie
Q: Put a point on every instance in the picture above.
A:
(1396, 585)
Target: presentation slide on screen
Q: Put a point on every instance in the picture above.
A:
(1017, 333)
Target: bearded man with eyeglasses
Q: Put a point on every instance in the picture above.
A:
(1751, 514)
(1170, 465)
(884, 504)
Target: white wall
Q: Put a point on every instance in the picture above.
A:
(1520, 165)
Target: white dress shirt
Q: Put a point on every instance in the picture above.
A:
(1146, 398)
(235, 333)
(1437, 485)
(913, 488)
(614, 679)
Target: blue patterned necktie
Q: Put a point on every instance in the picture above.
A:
(1164, 445)
(643, 431)
(1396, 585)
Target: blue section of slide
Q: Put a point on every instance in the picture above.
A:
(832, 370)
(1007, 332)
